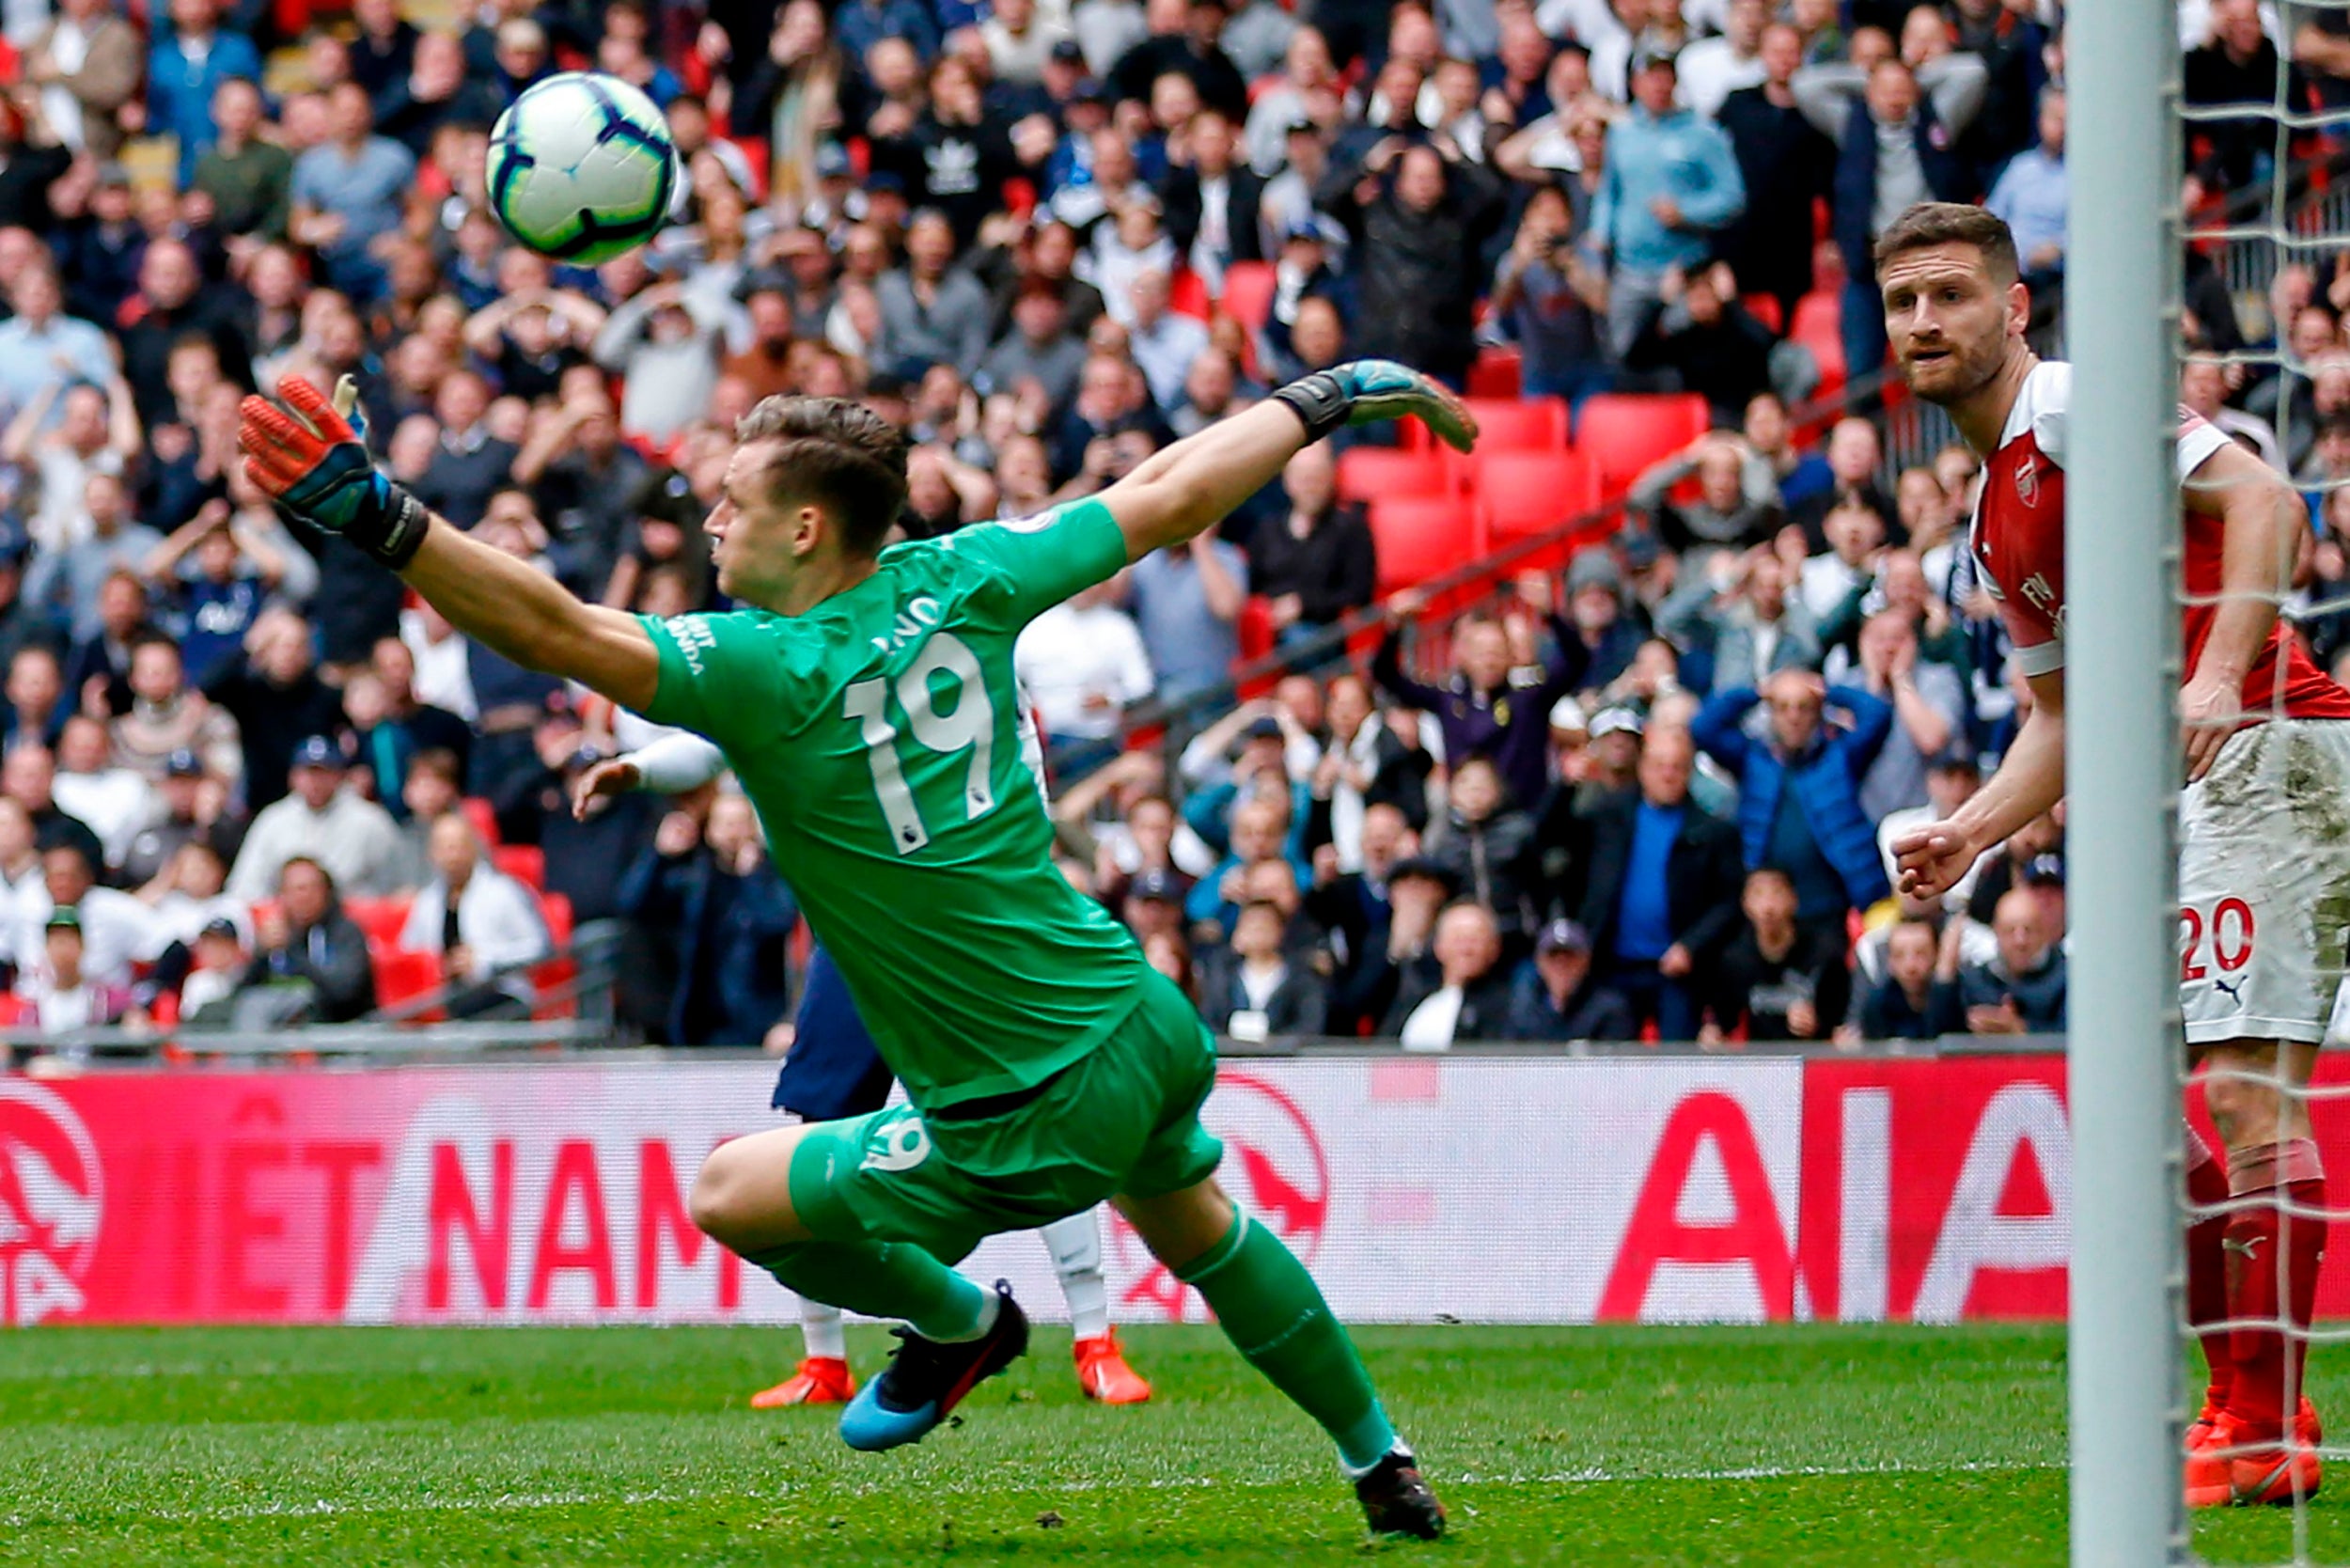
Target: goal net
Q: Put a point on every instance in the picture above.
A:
(2233, 220)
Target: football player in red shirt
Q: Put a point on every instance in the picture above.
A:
(2263, 825)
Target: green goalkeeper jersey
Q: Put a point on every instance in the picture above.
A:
(879, 735)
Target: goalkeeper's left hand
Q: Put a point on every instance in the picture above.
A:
(1368, 391)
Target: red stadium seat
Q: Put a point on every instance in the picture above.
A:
(555, 908)
(1187, 294)
(525, 863)
(1255, 629)
(1528, 423)
(1249, 293)
(1514, 424)
(1423, 536)
(1624, 432)
(1375, 473)
(1818, 314)
(1523, 494)
(754, 151)
(402, 977)
(1498, 373)
(484, 819)
(382, 919)
(1764, 308)
(1819, 327)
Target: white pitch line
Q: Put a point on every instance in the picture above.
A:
(1600, 1475)
(512, 1502)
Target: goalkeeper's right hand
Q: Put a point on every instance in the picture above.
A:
(1366, 391)
(306, 457)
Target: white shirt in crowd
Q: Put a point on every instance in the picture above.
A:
(62, 520)
(1586, 21)
(1978, 946)
(1711, 69)
(1826, 581)
(1020, 57)
(116, 803)
(444, 680)
(117, 931)
(1259, 981)
(22, 898)
(1081, 667)
(1430, 1027)
(1165, 349)
(1347, 805)
(203, 987)
(498, 918)
(83, 1007)
(354, 839)
(183, 917)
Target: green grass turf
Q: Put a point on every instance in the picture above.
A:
(1647, 1446)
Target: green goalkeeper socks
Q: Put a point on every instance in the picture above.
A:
(885, 1279)
(1273, 1313)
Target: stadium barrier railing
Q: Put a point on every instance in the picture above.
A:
(33, 1053)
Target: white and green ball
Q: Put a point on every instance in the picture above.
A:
(582, 169)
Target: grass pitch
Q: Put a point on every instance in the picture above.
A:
(1647, 1446)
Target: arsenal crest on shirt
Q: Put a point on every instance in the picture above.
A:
(2028, 481)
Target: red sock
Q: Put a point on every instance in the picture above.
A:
(2207, 1263)
(2273, 1259)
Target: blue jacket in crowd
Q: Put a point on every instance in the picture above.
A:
(1209, 813)
(1680, 156)
(726, 933)
(1825, 779)
(179, 90)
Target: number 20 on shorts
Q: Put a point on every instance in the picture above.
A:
(2221, 939)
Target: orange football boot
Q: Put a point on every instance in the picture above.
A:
(820, 1380)
(2308, 1430)
(2231, 1467)
(1104, 1374)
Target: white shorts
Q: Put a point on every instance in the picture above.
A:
(2265, 884)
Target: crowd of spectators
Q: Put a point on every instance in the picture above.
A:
(1649, 793)
(1588, 828)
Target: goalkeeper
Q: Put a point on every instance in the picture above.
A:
(866, 703)
(834, 1070)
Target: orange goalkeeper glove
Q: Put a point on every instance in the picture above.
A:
(308, 459)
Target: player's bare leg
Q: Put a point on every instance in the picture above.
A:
(956, 1333)
(1269, 1307)
(2274, 1245)
(822, 1375)
(742, 1196)
(1103, 1374)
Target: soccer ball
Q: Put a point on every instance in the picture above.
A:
(582, 169)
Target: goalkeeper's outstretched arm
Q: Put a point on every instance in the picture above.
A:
(307, 456)
(1196, 482)
(516, 610)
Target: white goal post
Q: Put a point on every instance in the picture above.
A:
(2123, 764)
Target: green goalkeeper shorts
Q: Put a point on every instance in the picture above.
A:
(1123, 1119)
